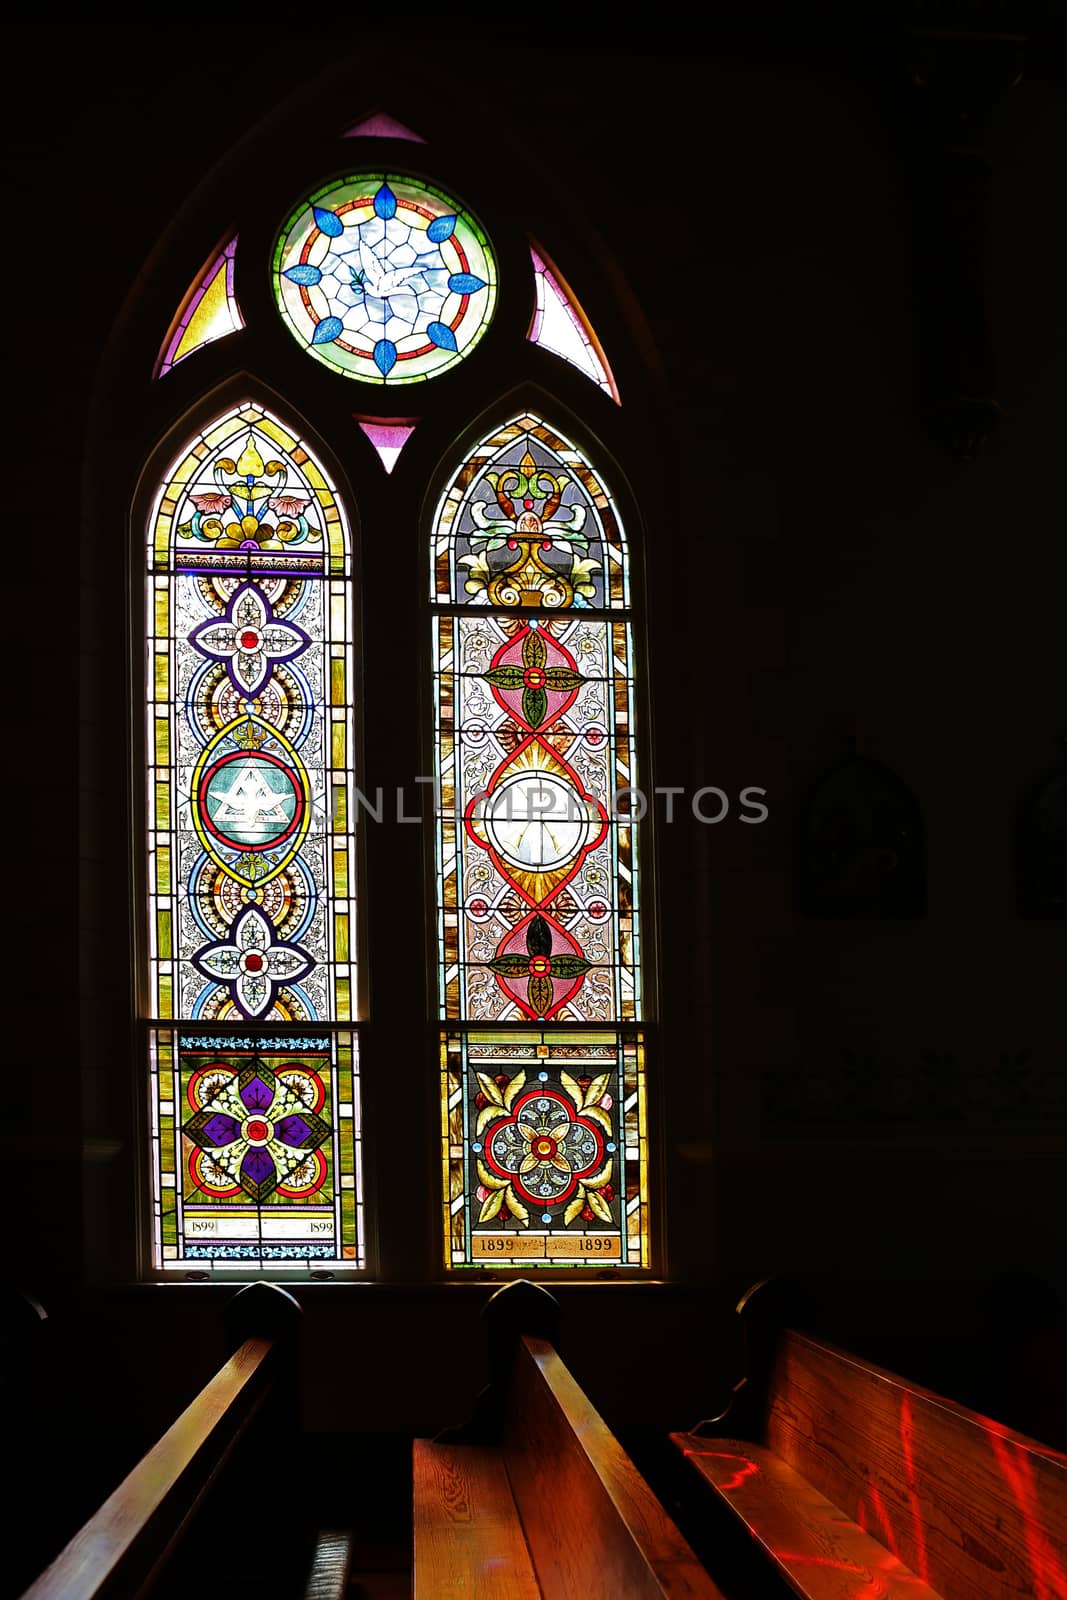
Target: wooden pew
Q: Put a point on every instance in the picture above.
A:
(24, 1379)
(852, 1481)
(536, 1499)
(202, 1478)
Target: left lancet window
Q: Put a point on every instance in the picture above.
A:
(253, 1057)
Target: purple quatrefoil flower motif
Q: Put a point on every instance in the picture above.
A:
(251, 965)
(258, 1130)
(249, 638)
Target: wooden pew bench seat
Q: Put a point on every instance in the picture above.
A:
(819, 1551)
(850, 1480)
(468, 1531)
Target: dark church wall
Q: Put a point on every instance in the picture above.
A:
(851, 1098)
(863, 575)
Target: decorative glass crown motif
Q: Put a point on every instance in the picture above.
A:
(385, 278)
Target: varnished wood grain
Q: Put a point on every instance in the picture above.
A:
(468, 1533)
(594, 1528)
(819, 1552)
(978, 1511)
(95, 1561)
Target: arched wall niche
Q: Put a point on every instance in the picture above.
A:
(136, 427)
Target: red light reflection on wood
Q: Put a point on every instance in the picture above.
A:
(881, 1583)
(888, 1536)
(913, 1488)
(748, 1468)
(1046, 1569)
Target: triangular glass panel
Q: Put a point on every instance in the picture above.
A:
(560, 325)
(388, 436)
(382, 126)
(209, 311)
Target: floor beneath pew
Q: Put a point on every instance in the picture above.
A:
(363, 1483)
(380, 1586)
(381, 1566)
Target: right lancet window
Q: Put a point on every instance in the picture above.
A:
(543, 1096)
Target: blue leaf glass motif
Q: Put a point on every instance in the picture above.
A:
(327, 331)
(441, 228)
(385, 202)
(385, 356)
(442, 336)
(465, 283)
(303, 273)
(328, 222)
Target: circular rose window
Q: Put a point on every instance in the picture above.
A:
(385, 278)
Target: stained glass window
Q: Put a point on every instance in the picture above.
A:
(209, 311)
(388, 436)
(560, 325)
(382, 126)
(537, 871)
(385, 278)
(249, 991)
(254, 1062)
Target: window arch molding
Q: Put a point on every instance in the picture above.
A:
(263, 362)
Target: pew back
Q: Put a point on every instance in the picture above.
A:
(139, 1524)
(134, 1542)
(592, 1524)
(973, 1508)
(534, 1498)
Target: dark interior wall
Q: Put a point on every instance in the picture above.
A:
(871, 577)
(854, 1098)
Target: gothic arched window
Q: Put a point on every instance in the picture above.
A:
(391, 379)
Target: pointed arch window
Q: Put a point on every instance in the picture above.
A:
(254, 1075)
(545, 1156)
(256, 636)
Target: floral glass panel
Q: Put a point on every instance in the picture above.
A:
(250, 783)
(560, 325)
(256, 1150)
(527, 522)
(385, 278)
(544, 1149)
(209, 311)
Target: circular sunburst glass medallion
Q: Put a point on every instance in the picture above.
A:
(385, 278)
